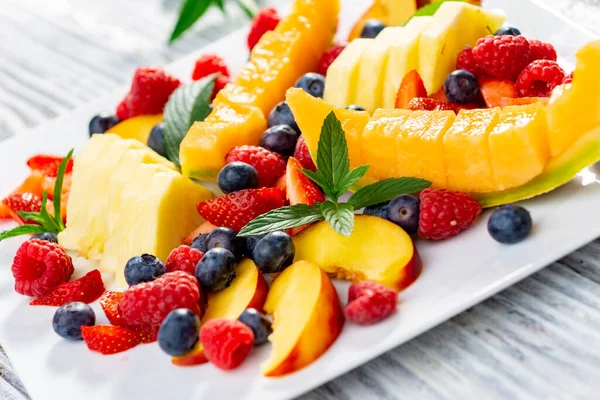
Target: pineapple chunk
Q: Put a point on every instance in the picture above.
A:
(369, 88)
(454, 26)
(399, 11)
(342, 75)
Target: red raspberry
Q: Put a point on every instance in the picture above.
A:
(268, 164)
(466, 61)
(370, 302)
(427, 104)
(568, 79)
(209, 64)
(303, 156)
(220, 83)
(266, 20)
(539, 78)
(226, 343)
(40, 266)
(502, 57)
(539, 50)
(150, 302)
(184, 258)
(329, 57)
(150, 91)
(445, 213)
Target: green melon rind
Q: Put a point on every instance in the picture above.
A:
(202, 175)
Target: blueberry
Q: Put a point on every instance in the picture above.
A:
(156, 140)
(200, 242)
(404, 212)
(509, 224)
(216, 269)
(259, 323)
(47, 236)
(282, 115)
(144, 268)
(251, 242)
(461, 87)
(70, 317)
(280, 139)
(226, 238)
(237, 176)
(178, 333)
(372, 28)
(355, 107)
(274, 253)
(378, 210)
(508, 31)
(312, 83)
(102, 122)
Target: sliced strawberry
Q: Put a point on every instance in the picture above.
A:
(522, 101)
(110, 305)
(427, 104)
(411, 86)
(27, 202)
(494, 90)
(4, 211)
(206, 227)
(299, 188)
(303, 155)
(86, 289)
(236, 209)
(441, 96)
(110, 339)
(280, 184)
(48, 165)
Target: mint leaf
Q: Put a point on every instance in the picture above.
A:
(48, 221)
(250, 7)
(282, 218)
(220, 4)
(386, 190)
(187, 104)
(351, 178)
(31, 217)
(22, 230)
(191, 11)
(315, 177)
(332, 156)
(429, 9)
(339, 216)
(60, 176)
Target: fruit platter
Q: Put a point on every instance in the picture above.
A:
(297, 198)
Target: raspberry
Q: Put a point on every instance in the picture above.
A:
(370, 302)
(539, 50)
(445, 213)
(226, 343)
(40, 266)
(220, 83)
(427, 104)
(209, 64)
(502, 57)
(568, 79)
(303, 156)
(109, 302)
(268, 164)
(466, 61)
(266, 20)
(185, 259)
(329, 57)
(539, 78)
(150, 91)
(149, 303)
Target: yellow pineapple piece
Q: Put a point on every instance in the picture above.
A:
(467, 153)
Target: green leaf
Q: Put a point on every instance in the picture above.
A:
(221, 6)
(282, 218)
(188, 104)
(250, 7)
(191, 11)
(48, 221)
(339, 216)
(316, 178)
(22, 230)
(31, 216)
(60, 176)
(352, 176)
(429, 9)
(332, 156)
(386, 190)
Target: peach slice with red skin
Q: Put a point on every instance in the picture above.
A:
(307, 318)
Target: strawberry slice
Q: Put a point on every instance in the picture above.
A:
(427, 104)
(236, 209)
(494, 90)
(303, 156)
(299, 188)
(411, 86)
(27, 202)
(110, 339)
(441, 96)
(522, 101)
(48, 165)
(86, 289)
(110, 305)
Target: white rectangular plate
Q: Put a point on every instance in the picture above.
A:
(457, 273)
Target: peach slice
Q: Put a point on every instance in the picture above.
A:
(377, 250)
(136, 127)
(248, 290)
(307, 318)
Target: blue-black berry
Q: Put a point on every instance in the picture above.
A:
(378, 210)
(199, 243)
(178, 334)
(404, 211)
(47, 236)
(282, 115)
(237, 176)
(156, 140)
(144, 268)
(228, 239)
(274, 253)
(372, 28)
(69, 318)
(461, 87)
(216, 270)
(102, 122)
(312, 83)
(355, 107)
(251, 242)
(259, 323)
(509, 224)
(508, 30)
(280, 139)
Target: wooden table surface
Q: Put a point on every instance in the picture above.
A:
(536, 340)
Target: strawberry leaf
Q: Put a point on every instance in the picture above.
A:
(282, 218)
(339, 216)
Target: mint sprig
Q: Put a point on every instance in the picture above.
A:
(44, 222)
(335, 178)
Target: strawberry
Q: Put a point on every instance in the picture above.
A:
(494, 90)
(411, 86)
(86, 289)
(303, 156)
(441, 96)
(109, 339)
(266, 20)
(427, 104)
(329, 57)
(48, 165)
(110, 305)
(299, 188)
(522, 101)
(26, 202)
(236, 209)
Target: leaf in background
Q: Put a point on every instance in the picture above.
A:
(60, 176)
(190, 12)
(429, 9)
(351, 177)
(189, 103)
(386, 190)
(221, 6)
(332, 155)
(22, 230)
(339, 216)
(282, 218)
(250, 7)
